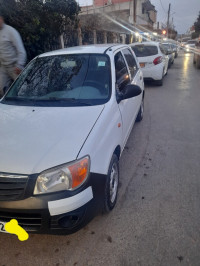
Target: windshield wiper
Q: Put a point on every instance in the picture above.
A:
(71, 100)
(18, 99)
(50, 99)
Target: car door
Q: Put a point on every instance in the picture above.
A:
(165, 57)
(125, 75)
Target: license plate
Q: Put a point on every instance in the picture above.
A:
(142, 64)
(2, 227)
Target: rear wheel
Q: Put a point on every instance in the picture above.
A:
(112, 183)
(160, 81)
(141, 112)
(198, 62)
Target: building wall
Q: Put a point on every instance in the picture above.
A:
(107, 2)
(124, 10)
(153, 16)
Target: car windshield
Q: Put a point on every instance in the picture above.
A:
(80, 79)
(145, 50)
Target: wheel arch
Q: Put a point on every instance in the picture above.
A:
(117, 151)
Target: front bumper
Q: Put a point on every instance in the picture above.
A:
(57, 213)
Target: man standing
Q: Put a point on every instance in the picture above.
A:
(12, 55)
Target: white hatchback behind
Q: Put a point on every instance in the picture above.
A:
(153, 60)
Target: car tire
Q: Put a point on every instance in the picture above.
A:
(160, 81)
(141, 112)
(112, 184)
(198, 63)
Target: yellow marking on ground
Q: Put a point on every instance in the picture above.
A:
(13, 227)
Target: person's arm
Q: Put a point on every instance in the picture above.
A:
(21, 53)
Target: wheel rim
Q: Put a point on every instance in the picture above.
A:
(114, 179)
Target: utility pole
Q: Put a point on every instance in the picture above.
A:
(168, 20)
(134, 18)
(134, 11)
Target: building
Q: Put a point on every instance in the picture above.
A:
(119, 19)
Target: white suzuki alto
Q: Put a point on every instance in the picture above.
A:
(63, 126)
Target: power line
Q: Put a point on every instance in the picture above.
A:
(163, 6)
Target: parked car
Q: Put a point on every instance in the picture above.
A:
(183, 45)
(175, 49)
(153, 60)
(190, 45)
(64, 124)
(196, 59)
(170, 52)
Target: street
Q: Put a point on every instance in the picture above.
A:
(157, 217)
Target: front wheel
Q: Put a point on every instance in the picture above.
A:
(112, 184)
(141, 112)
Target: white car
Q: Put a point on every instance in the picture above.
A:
(63, 125)
(153, 60)
(170, 52)
(190, 46)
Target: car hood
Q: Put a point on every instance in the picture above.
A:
(33, 139)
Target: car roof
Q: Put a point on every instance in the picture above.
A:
(86, 49)
(144, 43)
(166, 43)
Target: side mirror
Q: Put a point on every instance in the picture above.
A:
(130, 91)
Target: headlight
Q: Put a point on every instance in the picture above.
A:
(65, 177)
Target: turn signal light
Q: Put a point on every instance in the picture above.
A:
(79, 172)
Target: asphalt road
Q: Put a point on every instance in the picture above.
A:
(157, 217)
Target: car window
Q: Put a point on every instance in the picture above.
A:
(142, 50)
(163, 49)
(122, 75)
(130, 61)
(167, 46)
(191, 42)
(70, 78)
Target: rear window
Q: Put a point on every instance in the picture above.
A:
(145, 50)
(191, 42)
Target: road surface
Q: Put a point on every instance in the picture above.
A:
(157, 217)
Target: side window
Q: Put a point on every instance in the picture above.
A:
(122, 75)
(130, 61)
(162, 49)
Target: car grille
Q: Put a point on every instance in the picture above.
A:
(12, 187)
(29, 221)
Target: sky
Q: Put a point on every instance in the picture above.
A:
(185, 12)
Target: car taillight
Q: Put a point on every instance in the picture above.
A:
(157, 60)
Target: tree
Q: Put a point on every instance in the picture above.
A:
(41, 23)
(196, 34)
